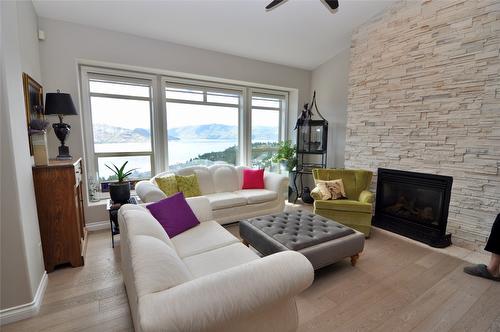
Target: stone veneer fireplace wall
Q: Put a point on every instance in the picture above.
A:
(424, 95)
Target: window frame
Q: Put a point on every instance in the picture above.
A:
(90, 73)
(205, 86)
(283, 114)
(158, 111)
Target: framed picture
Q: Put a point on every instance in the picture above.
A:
(33, 100)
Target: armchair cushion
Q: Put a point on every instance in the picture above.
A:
(344, 205)
(334, 187)
(321, 192)
(366, 197)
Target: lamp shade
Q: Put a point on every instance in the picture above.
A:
(59, 103)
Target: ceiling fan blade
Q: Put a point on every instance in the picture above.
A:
(273, 4)
(333, 4)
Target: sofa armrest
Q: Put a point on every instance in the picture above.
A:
(149, 192)
(226, 296)
(366, 197)
(276, 182)
(201, 208)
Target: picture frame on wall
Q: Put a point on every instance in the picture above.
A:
(33, 100)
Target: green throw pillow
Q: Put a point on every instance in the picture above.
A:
(167, 184)
(188, 185)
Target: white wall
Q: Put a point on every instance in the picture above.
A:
(21, 255)
(67, 42)
(331, 82)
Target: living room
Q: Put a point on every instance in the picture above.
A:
(407, 98)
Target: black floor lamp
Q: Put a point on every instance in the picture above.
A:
(60, 104)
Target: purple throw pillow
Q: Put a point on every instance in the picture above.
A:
(174, 214)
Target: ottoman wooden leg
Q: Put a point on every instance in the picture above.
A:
(354, 259)
(245, 242)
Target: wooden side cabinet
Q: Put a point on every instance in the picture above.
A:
(59, 201)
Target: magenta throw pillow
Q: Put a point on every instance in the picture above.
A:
(253, 179)
(174, 214)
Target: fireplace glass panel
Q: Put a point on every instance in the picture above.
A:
(417, 204)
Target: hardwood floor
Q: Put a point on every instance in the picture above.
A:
(396, 286)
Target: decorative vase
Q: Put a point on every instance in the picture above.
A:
(119, 192)
(39, 143)
(306, 196)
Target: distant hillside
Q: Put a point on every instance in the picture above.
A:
(110, 134)
(220, 131)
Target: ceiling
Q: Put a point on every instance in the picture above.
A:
(297, 33)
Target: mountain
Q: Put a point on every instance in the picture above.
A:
(220, 131)
(210, 131)
(109, 134)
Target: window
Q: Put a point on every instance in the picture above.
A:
(159, 123)
(120, 116)
(266, 115)
(202, 125)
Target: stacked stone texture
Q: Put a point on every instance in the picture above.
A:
(425, 96)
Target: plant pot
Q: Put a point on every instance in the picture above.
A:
(119, 192)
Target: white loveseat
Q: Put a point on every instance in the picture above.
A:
(205, 279)
(222, 185)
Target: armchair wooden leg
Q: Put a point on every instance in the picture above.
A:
(245, 242)
(354, 259)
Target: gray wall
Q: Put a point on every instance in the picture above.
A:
(331, 82)
(21, 255)
(66, 43)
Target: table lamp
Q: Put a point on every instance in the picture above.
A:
(60, 104)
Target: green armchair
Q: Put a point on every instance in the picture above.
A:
(356, 210)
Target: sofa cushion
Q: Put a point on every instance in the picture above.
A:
(139, 221)
(167, 184)
(174, 214)
(253, 179)
(219, 259)
(188, 184)
(205, 181)
(156, 266)
(225, 178)
(208, 235)
(225, 200)
(255, 196)
(344, 205)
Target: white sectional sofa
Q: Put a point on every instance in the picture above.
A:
(204, 279)
(222, 185)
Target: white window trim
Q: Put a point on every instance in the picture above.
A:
(87, 73)
(158, 112)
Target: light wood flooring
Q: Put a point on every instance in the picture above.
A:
(396, 286)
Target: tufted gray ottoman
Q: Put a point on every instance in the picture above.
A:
(321, 240)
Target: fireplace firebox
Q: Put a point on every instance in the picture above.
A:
(414, 205)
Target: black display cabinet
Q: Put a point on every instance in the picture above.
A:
(312, 145)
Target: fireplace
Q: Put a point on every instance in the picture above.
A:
(414, 205)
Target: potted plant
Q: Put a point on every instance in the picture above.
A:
(286, 155)
(120, 191)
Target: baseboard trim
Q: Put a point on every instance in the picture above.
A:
(97, 226)
(27, 310)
